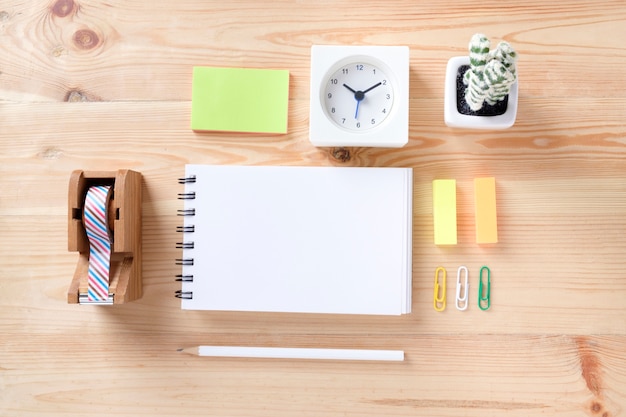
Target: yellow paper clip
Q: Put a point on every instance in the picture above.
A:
(484, 290)
(462, 300)
(439, 295)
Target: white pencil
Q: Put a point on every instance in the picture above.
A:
(296, 353)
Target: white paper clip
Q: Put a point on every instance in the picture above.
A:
(462, 301)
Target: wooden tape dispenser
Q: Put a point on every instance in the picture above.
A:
(98, 280)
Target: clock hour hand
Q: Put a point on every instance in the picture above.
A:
(348, 87)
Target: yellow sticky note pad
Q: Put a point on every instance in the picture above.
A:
(485, 206)
(444, 211)
(240, 100)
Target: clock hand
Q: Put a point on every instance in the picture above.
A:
(372, 87)
(359, 96)
(348, 87)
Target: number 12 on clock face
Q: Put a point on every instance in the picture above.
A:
(358, 96)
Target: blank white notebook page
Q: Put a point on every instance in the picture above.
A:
(299, 239)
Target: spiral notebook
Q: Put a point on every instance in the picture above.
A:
(296, 239)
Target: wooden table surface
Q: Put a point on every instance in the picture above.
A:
(94, 85)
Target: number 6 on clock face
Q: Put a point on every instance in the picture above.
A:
(358, 96)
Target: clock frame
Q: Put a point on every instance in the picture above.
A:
(380, 109)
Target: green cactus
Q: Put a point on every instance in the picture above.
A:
(491, 73)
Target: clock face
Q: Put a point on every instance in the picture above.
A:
(358, 96)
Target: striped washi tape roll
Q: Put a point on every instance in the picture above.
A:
(95, 221)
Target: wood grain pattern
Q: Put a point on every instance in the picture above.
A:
(102, 86)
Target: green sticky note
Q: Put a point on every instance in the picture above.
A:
(240, 99)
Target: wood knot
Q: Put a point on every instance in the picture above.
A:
(597, 409)
(50, 154)
(63, 8)
(86, 39)
(341, 154)
(58, 51)
(77, 96)
(591, 368)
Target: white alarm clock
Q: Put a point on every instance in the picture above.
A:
(359, 96)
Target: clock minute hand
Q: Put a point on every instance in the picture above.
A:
(372, 87)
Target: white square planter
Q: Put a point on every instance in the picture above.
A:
(453, 118)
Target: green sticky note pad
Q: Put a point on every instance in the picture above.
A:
(240, 100)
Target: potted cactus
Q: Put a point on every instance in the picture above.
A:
(481, 89)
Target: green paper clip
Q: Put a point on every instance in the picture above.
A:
(484, 296)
